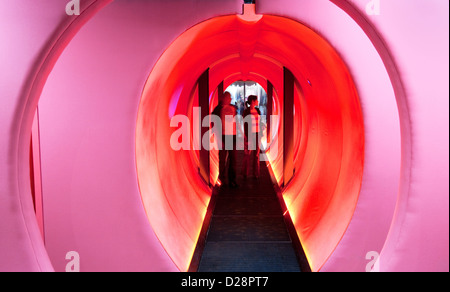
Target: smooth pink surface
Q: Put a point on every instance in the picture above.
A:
(32, 37)
(398, 60)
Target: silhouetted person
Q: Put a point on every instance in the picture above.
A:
(227, 156)
(252, 131)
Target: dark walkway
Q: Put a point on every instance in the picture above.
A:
(247, 232)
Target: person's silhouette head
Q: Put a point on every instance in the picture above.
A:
(252, 101)
(226, 98)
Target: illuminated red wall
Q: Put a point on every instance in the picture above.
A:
(329, 168)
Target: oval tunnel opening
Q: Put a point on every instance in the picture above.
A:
(328, 129)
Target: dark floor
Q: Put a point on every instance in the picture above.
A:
(247, 232)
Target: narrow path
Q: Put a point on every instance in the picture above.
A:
(247, 232)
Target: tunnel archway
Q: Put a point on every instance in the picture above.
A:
(330, 150)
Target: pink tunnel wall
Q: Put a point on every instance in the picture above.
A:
(89, 105)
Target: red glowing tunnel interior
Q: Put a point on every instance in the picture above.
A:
(328, 150)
